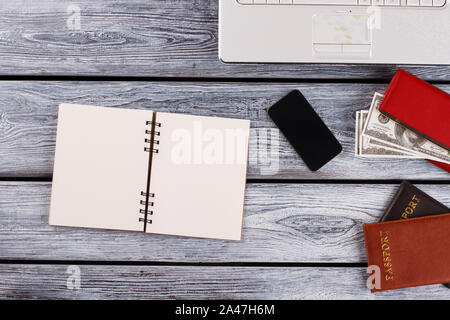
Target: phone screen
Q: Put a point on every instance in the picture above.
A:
(304, 129)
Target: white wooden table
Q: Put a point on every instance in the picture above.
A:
(302, 230)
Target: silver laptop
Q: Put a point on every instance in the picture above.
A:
(335, 31)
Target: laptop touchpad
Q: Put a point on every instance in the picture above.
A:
(342, 34)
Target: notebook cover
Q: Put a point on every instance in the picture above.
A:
(410, 252)
(419, 106)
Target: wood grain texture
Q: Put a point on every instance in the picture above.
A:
(144, 38)
(282, 223)
(28, 116)
(198, 282)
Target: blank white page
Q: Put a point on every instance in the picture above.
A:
(198, 176)
(100, 167)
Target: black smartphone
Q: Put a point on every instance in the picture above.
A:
(304, 129)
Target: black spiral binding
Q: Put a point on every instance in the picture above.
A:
(152, 134)
(146, 203)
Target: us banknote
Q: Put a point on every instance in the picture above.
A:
(378, 127)
(367, 147)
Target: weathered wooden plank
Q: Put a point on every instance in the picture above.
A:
(142, 38)
(28, 115)
(282, 223)
(197, 282)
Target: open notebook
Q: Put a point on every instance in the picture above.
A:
(154, 172)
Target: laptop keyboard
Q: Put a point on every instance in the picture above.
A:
(393, 3)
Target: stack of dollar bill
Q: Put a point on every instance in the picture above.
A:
(380, 136)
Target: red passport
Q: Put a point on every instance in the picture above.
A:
(441, 165)
(421, 107)
(411, 252)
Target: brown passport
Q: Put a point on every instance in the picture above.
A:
(409, 253)
(411, 202)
